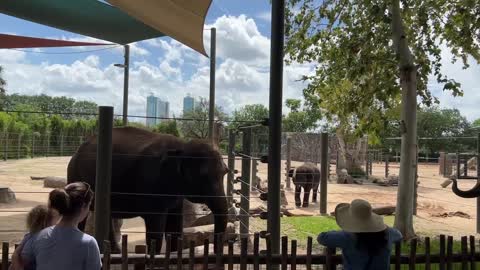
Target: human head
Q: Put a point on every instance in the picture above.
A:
(73, 201)
(38, 218)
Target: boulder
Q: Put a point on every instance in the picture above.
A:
(194, 211)
(54, 182)
(392, 180)
(7, 195)
(343, 177)
(198, 234)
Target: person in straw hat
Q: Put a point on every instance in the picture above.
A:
(366, 242)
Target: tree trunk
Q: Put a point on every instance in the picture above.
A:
(348, 157)
(408, 82)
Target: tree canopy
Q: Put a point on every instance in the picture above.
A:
(195, 123)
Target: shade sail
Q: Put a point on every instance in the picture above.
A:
(11, 41)
(87, 17)
(182, 20)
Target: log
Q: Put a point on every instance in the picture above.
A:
(34, 178)
(200, 233)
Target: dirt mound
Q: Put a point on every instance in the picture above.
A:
(453, 214)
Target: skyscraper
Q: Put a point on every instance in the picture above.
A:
(188, 103)
(156, 108)
(151, 110)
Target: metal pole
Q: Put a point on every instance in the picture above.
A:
(246, 183)
(126, 67)
(211, 108)
(324, 173)
(6, 146)
(387, 163)
(289, 161)
(103, 179)
(478, 180)
(275, 122)
(231, 165)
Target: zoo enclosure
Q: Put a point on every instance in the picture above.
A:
(250, 255)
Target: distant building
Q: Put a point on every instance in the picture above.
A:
(188, 104)
(156, 108)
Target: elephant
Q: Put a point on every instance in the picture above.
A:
(307, 176)
(151, 174)
(471, 193)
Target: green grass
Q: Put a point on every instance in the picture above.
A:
(300, 228)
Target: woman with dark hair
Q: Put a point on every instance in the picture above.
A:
(64, 246)
(366, 242)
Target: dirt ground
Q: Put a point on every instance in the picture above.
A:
(432, 199)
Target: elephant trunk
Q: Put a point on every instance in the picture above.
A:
(219, 208)
(472, 193)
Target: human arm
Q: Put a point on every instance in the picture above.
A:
(333, 239)
(17, 262)
(395, 235)
(93, 261)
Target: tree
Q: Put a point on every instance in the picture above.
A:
(376, 54)
(167, 127)
(195, 122)
(298, 120)
(254, 112)
(3, 83)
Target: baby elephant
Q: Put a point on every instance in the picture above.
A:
(307, 176)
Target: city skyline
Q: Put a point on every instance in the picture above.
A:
(156, 109)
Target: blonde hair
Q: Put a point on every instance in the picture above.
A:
(39, 218)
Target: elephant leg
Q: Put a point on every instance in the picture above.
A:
(315, 193)
(174, 224)
(115, 246)
(155, 227)
(306, 195)
(298, 190)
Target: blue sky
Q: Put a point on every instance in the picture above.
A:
(170, 70)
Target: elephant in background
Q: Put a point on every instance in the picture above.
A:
(306, 176)
(151, 175)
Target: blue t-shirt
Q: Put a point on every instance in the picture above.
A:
(357, 259)
(26, 242)
(60, 247)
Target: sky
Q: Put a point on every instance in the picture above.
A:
(169, 70)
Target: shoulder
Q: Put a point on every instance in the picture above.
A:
(394, 234)
(89, 240)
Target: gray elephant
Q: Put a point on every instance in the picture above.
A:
(151, 175)
(306, 176)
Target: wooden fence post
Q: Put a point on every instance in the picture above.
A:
(5, 256)
(325, 162)
(442, 252)
(103, 217)
(289, 162)
(472, 253)
(284, 252)
(106, 255)
(140, 249)
(19, 145)
(464, 243)
(413, 254)
(245, 183)
(427, 253)
(125, 252)
(387, 164)
(231, 165)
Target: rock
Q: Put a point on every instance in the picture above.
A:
(452, 214)
(375, 179)
(199, 233)
(262, 185)
(392, 180)
(192, 212)
(446, 183)
(255, 212)
(472, 163)
(54, 182)
(297, 213)
(343, 177)
(7, 195)
(34, 178)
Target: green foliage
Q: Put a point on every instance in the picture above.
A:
(298, 120)
(3, 83)
(356, 80)
(195, 125)
(167, 127)
(254, 112)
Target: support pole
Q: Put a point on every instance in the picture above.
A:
(211, 107)
(5, 156)
(275, 122)
(387, 164)
(478, 180)
(231, 165)
(103, 179)
(289, 161)
(324, 173)
(126, 67)
(245, 184)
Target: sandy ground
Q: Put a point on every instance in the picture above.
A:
(432, 199)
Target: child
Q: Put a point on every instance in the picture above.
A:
(366, 242)
(38, 218)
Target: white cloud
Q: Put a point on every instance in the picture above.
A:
(242, 74)
(265, 16)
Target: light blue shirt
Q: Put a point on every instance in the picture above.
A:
(354, 258)
(66, 248)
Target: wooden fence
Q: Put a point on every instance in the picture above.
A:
(445, 259)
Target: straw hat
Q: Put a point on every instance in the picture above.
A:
(357, 217)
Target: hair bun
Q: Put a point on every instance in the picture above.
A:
(60, 201)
